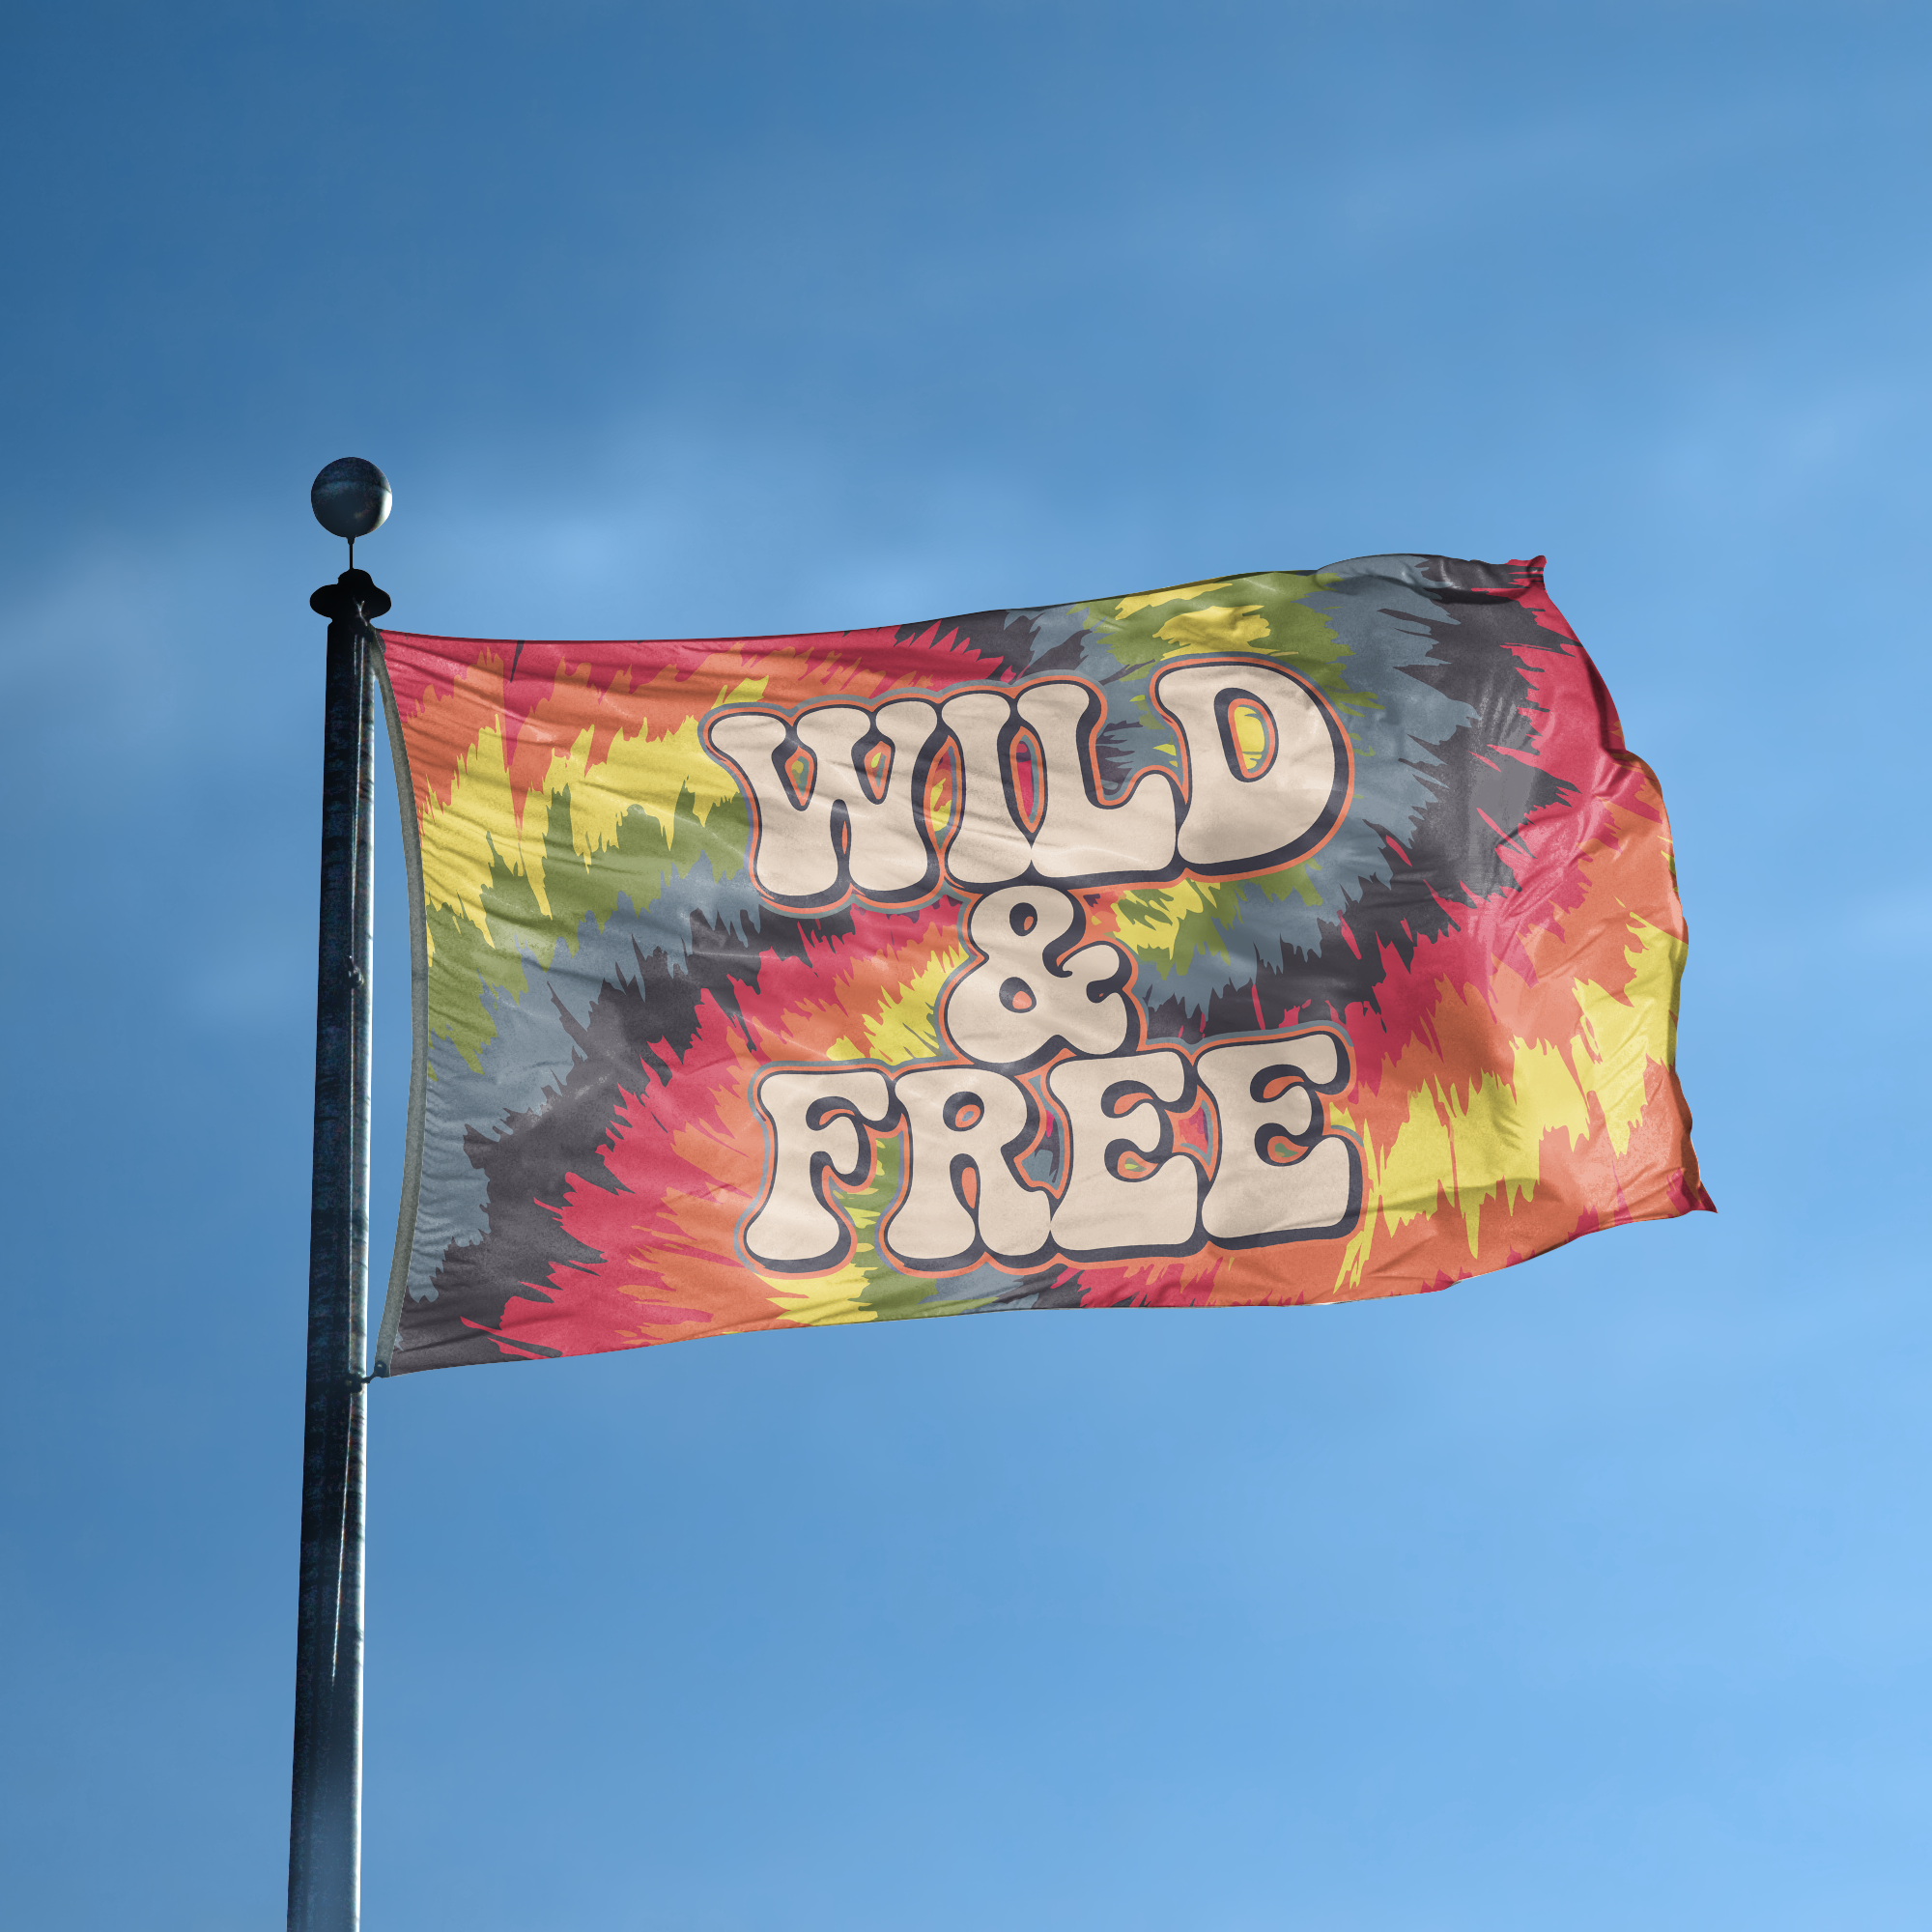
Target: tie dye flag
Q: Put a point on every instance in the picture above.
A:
(1300, 937)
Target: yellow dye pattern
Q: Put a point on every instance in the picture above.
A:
(637, 772)
(905, 1025)
(457, 837)
(640, 773)
(1222, 627)
(1173, 923)
(832, 1298)
(1251, 737)
(1622, 1034)
(1482, 1145)
(1180, 593)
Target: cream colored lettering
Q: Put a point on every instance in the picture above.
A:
(1102, 1212)
(1030, 995)
(1082, 837)
(1241, 820)
(815, 1119)
(991, 846)
(1265, 1093)
(960, 1120)
(850, 817)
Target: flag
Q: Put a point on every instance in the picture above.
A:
(1300, 937)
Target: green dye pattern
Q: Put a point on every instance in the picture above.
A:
(467, 963)
(893, 1297)
(1223, 907)
(462, 964)
(1291, 882)
(1299, 637)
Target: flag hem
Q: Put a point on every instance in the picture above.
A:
(412, 1144)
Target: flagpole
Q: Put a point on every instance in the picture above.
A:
(325, 1806)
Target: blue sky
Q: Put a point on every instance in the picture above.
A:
(1593, 1594)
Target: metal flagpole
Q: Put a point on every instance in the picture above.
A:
(351, 498)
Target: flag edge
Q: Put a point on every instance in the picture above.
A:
(412, 1144)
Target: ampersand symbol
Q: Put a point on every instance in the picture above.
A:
(1035, 989)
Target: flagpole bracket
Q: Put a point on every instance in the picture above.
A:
(354, 597)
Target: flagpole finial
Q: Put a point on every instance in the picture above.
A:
(350, 498)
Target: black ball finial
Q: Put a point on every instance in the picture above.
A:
(350, 498)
